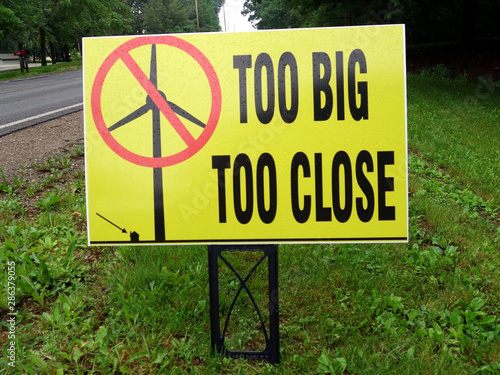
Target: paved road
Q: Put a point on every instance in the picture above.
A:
(30, 101)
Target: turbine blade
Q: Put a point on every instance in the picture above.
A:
(186, 115)
(134, 115)
(153, 76)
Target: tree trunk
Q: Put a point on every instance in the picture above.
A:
(43, 54)
(78, 40)
(66, 53)
(53, 53)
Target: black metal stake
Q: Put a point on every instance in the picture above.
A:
(271, 353)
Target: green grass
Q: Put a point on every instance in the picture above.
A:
(35, 71)
(431, 306)
(456, 126)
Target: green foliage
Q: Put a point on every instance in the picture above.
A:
(57, 26)
(10, 25)
(179, 16)
(456, 125)
(327, 365)
(270, 14)
(434, 181)
(161, 17)
(429, 306)
(267, 14)
(71, 19)
(426, 22)
(36, 24)
(44, 250)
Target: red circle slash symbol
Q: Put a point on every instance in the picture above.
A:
(156, 101)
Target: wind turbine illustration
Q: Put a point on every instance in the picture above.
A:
(159, 209)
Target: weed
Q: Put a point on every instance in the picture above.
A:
(50, 201)
(337, 365)
(75, 152)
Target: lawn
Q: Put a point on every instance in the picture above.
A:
(39, 70)
(431, 306)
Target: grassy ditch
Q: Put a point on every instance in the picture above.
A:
(39, 70)
(429, 306)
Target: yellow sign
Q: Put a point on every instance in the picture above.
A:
(263, 137)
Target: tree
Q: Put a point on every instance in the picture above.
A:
(61, 23)
(209, 15)
(171, 16)
(73, 19)
(179, 16)
(11, 25)
(137, 8)
(427, 21)
(269, 14)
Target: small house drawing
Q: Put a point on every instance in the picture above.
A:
(134, 236)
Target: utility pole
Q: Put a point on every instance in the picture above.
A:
(224, 11)
(197, 18)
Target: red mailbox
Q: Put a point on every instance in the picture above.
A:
(20, 53)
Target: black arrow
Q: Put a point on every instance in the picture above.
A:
(122, 229)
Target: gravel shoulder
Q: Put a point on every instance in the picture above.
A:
(26, 148)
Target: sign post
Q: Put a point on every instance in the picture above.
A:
(284, 136)
(271, 351)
